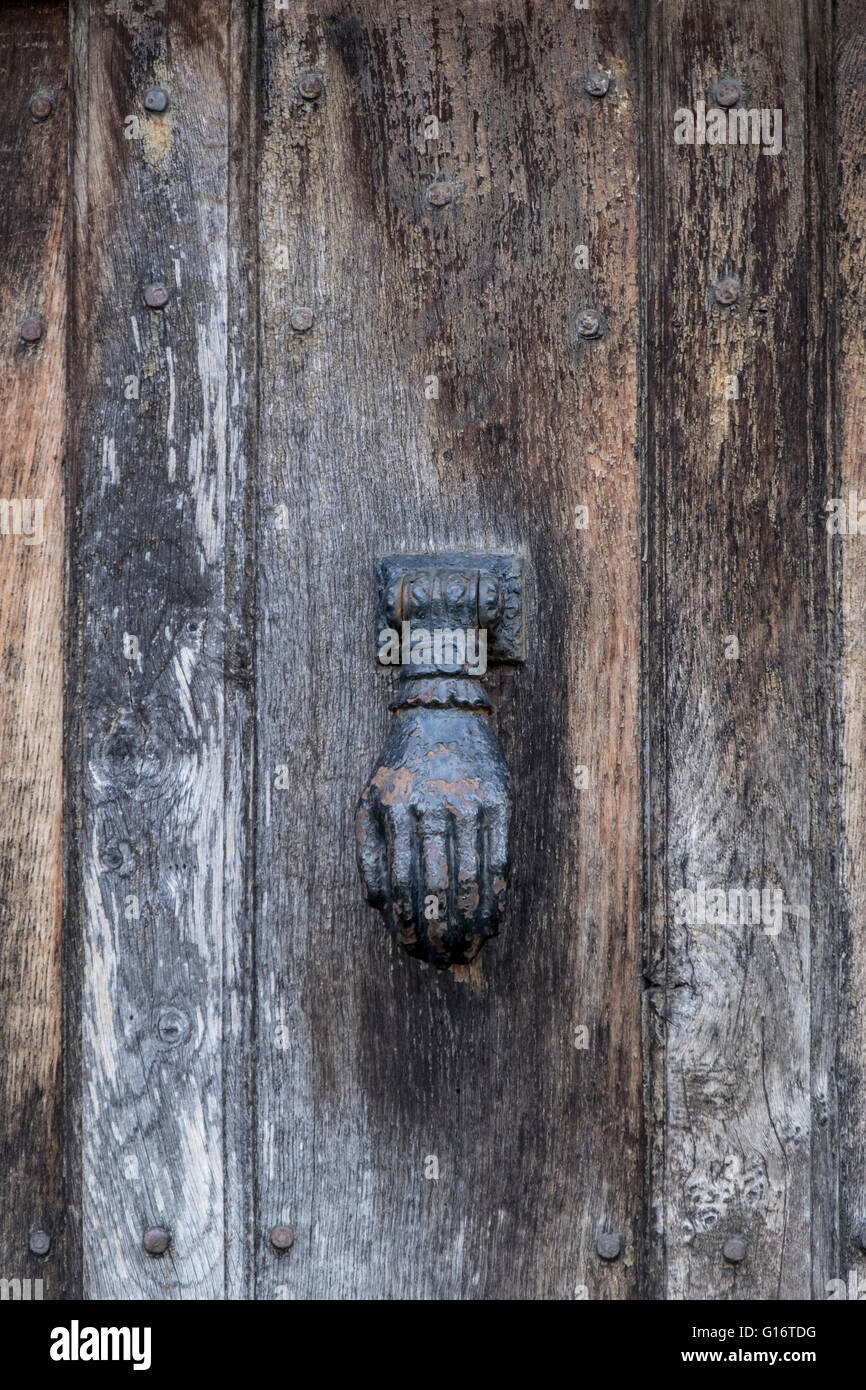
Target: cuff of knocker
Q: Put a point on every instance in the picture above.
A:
(446, 692)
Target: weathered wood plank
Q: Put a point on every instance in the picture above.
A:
(369, 1064)
(239, 1063)
(161, 806)
(850, 556)
(825, 912)
(736, 741)
(33, 63)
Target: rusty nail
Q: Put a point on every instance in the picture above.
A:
(597, 83)
(727, 91)
(156, 1240)
(608, 1245)
(439, 194)
(301, 319)
(31, 330)
(310, 85)
(155, 295)
(41, 107)
(155, 100)
(727, 291)
(588, 324)
(40, 1242)
(282, 1237)
(734, 1250)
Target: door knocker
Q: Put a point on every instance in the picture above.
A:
(432, 822)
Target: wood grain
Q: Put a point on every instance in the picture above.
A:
(160, 809)
(850, 558)
(370, 1065)
(242, 1045)
(239, 1062)
(742, 1079)
(33, 60)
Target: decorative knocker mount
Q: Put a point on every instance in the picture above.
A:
(432, 822)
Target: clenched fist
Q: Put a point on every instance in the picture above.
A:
(432, 832)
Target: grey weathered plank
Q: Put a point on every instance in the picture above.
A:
(826, 907)
(33, 61)
(239, 1063)
(159, 814)
(737, 748)
(368, 1063)
(850, 556)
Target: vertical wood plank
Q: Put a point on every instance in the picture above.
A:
(33, 63)
(847, 544)
(161, 800)
(737, 744)
(370, 1065)
(239, 1062)
(826, 908)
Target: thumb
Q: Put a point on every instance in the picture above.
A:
(372, 860)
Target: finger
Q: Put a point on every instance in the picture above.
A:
(467, 897)
(401, 841)
(437, 878)
(493, 856)
(372, 859)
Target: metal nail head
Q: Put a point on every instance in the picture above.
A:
(311, 85)
(727, 91)
(31, 330)
(608, 1245)
(727, 291)
(41, 107)
(597, 83)
(156, 1240)
(156, 295)
(155, 100)
(301, 318)
(282, 1237)
(734, 1250)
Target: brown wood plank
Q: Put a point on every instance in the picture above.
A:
(160, 810)
(850, 555)
(33, 63)
(368, 1063)
(742, 1077)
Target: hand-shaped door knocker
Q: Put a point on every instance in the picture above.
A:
(432, 822)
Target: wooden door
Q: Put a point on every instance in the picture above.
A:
(289, 287)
